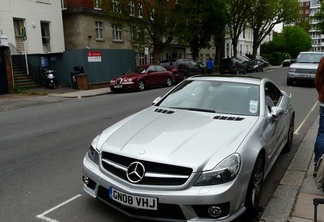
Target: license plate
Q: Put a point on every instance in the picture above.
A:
(147, 203)
(305, 76)
(118, 86)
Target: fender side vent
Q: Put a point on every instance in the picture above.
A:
(231, 118)
(164, 111)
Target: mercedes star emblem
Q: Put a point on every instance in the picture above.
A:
(135, 172)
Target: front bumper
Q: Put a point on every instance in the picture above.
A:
(175, 203)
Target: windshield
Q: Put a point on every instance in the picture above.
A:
(310, 57)
(214, 96)
(137, 69)
(253, 62)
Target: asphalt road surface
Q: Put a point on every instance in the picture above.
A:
(43, 141)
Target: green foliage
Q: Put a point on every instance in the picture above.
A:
(199, 20)
(291, 41)
(18, 89)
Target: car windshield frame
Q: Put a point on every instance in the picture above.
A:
(224, 97)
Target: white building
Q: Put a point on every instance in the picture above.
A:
(42, 20)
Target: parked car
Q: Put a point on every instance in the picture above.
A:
(304, 69)
(265, 61)
(182, 68)
(199, 153)
(286, 62)
(232, 66)
(254, 66)
(141, 77)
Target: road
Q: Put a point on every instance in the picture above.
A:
(43, 141)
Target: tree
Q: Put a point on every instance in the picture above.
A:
(199, 21)
(150, 22)
(265, 14)
(239, 12)
(164, 21)
(295, 40)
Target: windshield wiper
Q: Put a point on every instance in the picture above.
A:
(195, 109)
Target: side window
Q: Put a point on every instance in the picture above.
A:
(152, 68)
(160, 68)
(272, 94)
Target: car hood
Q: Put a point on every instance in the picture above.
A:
(132, 75)
(304, 65)
(177, 137)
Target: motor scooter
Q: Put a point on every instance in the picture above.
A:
(50, 79)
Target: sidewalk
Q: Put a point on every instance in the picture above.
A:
(293, 198)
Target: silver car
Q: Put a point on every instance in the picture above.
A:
(304, 69)
(199, 153)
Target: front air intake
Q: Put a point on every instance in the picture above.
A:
(166, 111)
(230, 118)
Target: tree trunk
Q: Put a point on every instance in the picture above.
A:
(234, 43)
(220, 49)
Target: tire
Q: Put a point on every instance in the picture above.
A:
(290, 136)
(290, 82)
(140, 85)
(253, 194)
(168, 82)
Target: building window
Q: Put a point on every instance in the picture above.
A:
(142, 59)
(98, 4)
(18, 25)
(301, 12)
(307, 3)
(116, 7)
(151, 58)
(131, 8)
(46, 36)
(307, 11)
(152, 14)
(132, 32)
(140, 10)
(63, 4)
(117, 32)
(99, 26)
(301, 4)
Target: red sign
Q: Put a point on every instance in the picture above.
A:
(94, 56)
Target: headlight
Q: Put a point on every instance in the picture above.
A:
(50, 76)
(128, 80)
(93, 152)
(291, 70)
(112, 81)
(224, 172)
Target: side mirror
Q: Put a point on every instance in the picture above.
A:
(149, 71)
(277, 111)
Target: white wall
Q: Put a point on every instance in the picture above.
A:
(33, 11)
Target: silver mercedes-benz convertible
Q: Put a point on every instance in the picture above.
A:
(199, 153)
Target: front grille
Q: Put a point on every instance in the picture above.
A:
(119, 80)
(169, 175)
(170, 212)
(306, 71)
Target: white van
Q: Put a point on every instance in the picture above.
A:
(304, 69)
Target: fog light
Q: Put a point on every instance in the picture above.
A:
(85, 179)
(214, 211)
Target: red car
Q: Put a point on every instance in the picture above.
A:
(140, 77)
